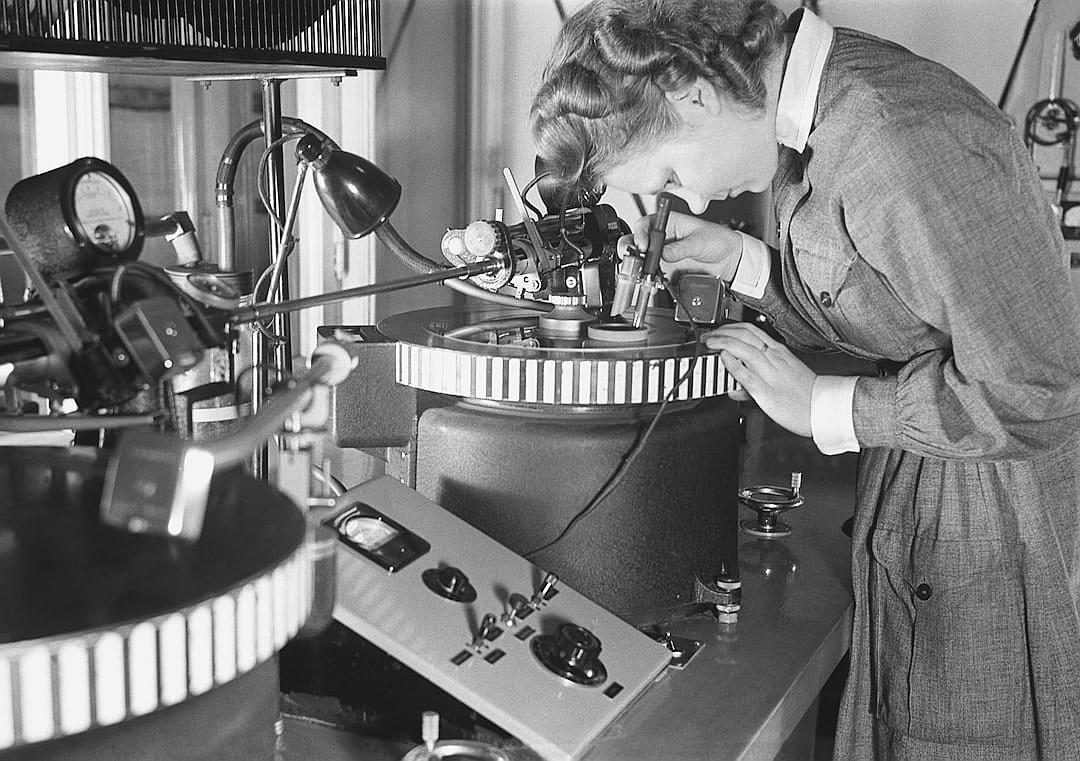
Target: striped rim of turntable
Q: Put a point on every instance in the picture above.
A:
(573, 381)
(66, 684)
(447, 350)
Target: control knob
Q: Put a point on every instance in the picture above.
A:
(449, 582)
(571, 653)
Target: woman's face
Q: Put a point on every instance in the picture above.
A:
(716, 153)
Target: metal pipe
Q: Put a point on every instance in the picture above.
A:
(39, 423)
(270, 127)
(226, 178)
(275, 180)
(234, 448)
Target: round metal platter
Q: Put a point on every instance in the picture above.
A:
(98, 625)
(503, 355)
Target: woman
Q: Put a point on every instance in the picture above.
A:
(913, 231)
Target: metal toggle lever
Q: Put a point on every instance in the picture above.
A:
(541, 594)
(487, 626)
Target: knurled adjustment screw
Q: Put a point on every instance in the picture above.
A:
(768, 502)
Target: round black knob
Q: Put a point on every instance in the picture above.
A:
(449, 582)
(924, 591)
(571, 653)
(578, 645)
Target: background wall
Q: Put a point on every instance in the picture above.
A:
(420, 133)
(977, 38)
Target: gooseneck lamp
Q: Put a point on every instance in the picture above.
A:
(356, 194)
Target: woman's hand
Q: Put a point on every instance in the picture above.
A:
(694, 245)
(768, 372)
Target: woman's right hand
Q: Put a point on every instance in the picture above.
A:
(694, 245)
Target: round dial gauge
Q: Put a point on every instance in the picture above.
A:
(104, 212)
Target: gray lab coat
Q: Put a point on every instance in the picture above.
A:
(914, 232)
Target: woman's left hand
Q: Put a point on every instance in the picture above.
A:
(768, 372)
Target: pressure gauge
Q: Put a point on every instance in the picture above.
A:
(104, 212)
(76, 218)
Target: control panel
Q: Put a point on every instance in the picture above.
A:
(532, 655)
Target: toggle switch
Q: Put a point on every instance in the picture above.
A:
(519, 608)
(484, 633)
(545, 591)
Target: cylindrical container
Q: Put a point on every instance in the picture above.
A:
(521, 476)
(207, 403)
(521, 429)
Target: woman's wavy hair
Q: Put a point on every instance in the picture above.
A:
(604, 93)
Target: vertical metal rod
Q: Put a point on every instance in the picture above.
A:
(260, 350)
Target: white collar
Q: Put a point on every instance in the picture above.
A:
(802, 78)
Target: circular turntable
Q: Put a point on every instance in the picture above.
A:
(525, 425)
(102, 630)
(519, 356)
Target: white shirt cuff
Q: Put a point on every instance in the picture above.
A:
(752, 272)
(832, 421)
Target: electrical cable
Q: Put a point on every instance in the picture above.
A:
(1007, 89)
(624, 466)
(261, 182)
(263, 326)
(525, 191)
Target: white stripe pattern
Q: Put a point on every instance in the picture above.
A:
(575, 381)
(105, 676)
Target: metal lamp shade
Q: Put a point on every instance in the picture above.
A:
(356, 194)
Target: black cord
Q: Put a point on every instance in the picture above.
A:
(624, 466)
(628, 460)
(529, 186)
(1019, 54)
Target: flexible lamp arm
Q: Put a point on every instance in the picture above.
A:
(417, 261)
(226, 178)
